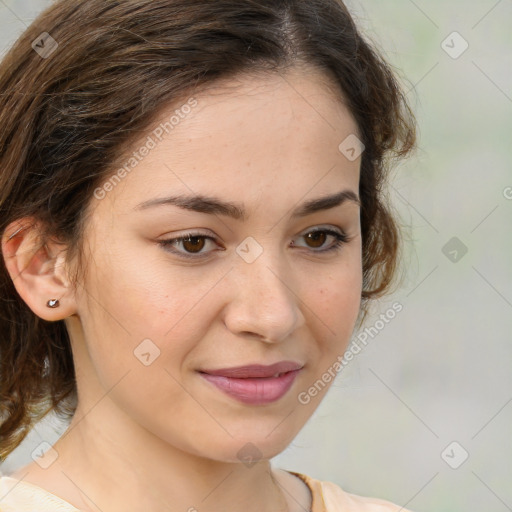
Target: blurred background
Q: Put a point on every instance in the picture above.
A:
(422, 415)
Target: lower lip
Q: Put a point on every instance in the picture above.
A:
(254, 391)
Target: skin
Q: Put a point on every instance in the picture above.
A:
(160, 437)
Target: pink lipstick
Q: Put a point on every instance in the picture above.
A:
(255, 384)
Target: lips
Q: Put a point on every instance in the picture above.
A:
(255, 371)
(254, 384)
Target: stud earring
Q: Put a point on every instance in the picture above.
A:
(53, 303)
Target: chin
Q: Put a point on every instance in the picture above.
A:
(250, 452)
(249, 447)
(256, 444)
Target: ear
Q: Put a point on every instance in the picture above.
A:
(39, 271)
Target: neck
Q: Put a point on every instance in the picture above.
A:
(109, 460)
(134, 470)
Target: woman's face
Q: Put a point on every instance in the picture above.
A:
(244, 290)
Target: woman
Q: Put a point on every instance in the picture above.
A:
(192, 225)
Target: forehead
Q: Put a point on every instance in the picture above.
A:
(271, 100)
(266, 136)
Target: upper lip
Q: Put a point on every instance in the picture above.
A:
(256, 370)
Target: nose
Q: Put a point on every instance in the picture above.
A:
(265, 303)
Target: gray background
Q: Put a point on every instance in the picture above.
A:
(440, 371)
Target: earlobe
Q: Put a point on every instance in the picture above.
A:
(38, 270)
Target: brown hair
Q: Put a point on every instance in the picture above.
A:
(66, 117)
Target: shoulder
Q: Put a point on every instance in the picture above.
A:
(329, 497)
(19, 496)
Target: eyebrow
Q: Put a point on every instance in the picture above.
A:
(215, 206)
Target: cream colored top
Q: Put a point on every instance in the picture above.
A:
(19, 496)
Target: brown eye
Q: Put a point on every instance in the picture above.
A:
(317, 238)
(193, 244)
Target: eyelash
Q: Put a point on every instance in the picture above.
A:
(340, 240)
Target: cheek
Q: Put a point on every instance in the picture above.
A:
(146, 295)
(335, 306)
(134, 301)
(338, 296)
